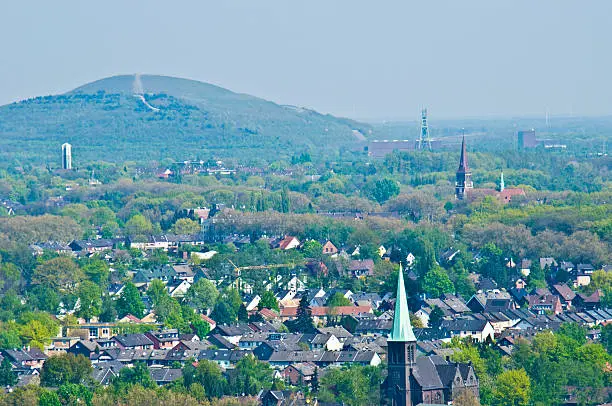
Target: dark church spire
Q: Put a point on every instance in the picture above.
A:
(464, 177)
(463, 161)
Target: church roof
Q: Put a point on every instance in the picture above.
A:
(402, 330)
(463, 161)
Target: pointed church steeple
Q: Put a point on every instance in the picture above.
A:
(402, 329)
(502, 186)
(464, 177)
(463, 161)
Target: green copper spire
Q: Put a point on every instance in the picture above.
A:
(402, 330)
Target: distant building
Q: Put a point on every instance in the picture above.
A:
(464, 186)
(380, 148)
(66, 156)
(527, 139)
(464, 176)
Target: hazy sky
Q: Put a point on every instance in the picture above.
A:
(372, 59)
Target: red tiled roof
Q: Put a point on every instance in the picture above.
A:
(133, 318)
(288, 311)
(208, 320)
(325, 311)
(285, 242)
(268, 313)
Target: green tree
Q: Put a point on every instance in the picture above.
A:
(312, 249)
(285, 201)
(512, 388)
(435, 317)
(436, 282)
(168, 311)
(129, 301)
(186, 226)
(156, 291)
(202, 295)
(138, 225)
(49, 398)
(338, 299)
(97, 271)
(109, 312)
(243, 315)
(10, 276)
(606, 337)
(250, 376)
(90, 300)
(382, 190)
(574, 331)
(7, 376)
(61, 274)
(45, 298)
(72, 394)
(65, 368)
(268, 301)
(9, 339)
(209, 375)
(348, 386)
(303, 322)
(138, 375)
(200, 327)
(223, 313)
(37, 328)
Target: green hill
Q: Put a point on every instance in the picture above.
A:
(155, 117)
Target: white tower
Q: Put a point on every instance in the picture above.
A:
(501, 182)
(66, 156)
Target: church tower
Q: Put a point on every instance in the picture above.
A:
(401, 354)
(464, 175)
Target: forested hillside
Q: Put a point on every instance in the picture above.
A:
(157, 117)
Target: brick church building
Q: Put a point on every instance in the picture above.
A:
(412, 380)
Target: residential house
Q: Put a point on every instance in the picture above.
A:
(178, 288)
(548, 262)
(164, 339)
(26, 359)
(544, 304)
(320, 314)
(283, 398)
(477, 330)
(317, 268)
(328, 342)
(164, 376)
(339, 332)
(361, 268)
(136, 341)
(525, 267)
(490, 301)
(588, 302)
(300, 373)
(144, 277)
(232, 333)
(288, 243)
(184, 272)
(224, 358)
(53, 246)
(85, 348)
(566, 295)
(329, 248)
(93, 246)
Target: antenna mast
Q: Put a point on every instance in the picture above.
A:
(424, 137)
